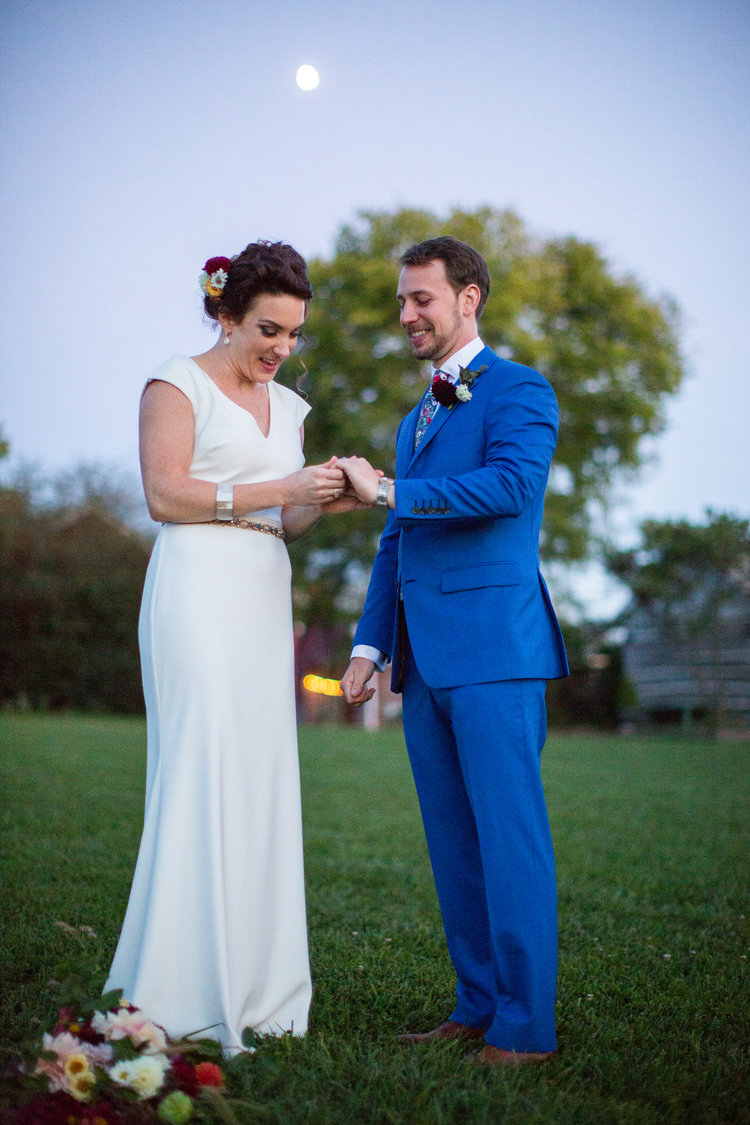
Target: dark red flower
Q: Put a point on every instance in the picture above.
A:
(69, 1020)
(47, 1109)
(214, 264)
(61, 1109)
(184, 1076)
(123, 1005)
(101, 1112)
(443, 391)
(209, 1074)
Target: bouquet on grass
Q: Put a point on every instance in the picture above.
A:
(106, 1063)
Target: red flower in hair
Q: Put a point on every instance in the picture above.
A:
(214, 264)
(213, 277)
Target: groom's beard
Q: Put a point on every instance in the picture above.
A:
(433, 343)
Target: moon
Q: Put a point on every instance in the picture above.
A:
(307, 77)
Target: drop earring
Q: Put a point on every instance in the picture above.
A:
(226, 341)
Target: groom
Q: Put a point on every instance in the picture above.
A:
(457, 602)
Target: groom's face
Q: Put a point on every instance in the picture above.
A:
(432, 313)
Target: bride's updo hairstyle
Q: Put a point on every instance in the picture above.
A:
(262, 268)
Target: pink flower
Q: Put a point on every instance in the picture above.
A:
(63, 1046)
(133, 1025)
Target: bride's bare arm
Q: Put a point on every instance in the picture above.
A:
(167, 436)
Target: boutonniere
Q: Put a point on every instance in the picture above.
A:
(448, 394)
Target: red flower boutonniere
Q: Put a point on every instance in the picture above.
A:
(448, 394)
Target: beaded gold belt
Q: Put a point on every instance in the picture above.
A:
(252, 525)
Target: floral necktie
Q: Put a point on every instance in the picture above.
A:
(426, 414)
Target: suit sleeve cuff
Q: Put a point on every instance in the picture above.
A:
(379, 659)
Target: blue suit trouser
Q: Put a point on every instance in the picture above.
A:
(475, 754)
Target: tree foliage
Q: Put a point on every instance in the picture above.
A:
(71, 577)
(692, 583)
(677, 562)
(609, 350)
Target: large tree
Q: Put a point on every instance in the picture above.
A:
(610, 351)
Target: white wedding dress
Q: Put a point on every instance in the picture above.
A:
(215, 931)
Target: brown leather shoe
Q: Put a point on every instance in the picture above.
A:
(448, 1030)
(496, 1056)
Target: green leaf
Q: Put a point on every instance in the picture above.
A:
(123, 1050)
(109, 1000)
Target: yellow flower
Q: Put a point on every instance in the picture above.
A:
(76, 1064)
(81, 1079)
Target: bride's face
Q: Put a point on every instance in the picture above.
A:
(265, 336)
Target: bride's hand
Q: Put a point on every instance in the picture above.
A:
(348, 501)
(362, 478)
(315, 484)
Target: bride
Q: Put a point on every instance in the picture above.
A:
(215, 930)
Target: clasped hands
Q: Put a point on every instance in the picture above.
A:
(356, 488)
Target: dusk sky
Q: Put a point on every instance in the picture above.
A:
(142, 138)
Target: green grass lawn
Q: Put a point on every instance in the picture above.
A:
(651, 842)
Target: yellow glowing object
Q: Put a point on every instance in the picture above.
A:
(321, 686)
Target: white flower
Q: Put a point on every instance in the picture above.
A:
(463, 394)
(144, 1075)
(203, 280)
(219, 279)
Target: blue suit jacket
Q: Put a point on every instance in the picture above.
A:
(459, 557)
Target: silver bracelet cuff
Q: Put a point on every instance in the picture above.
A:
(224, 501)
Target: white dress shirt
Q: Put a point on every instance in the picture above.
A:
(461, 358)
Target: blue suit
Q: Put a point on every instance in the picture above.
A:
(456, 599)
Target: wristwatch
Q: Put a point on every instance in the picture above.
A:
(381, 499)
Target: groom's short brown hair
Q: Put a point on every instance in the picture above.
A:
(463, 264)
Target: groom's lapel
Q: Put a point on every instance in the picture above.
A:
(485, 358)
(437, 423)
(405, 442)
(406, 450)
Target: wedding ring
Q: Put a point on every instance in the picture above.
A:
(336, 493)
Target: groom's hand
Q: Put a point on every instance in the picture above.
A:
(354, 681)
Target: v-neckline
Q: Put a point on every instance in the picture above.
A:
(247, 413)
